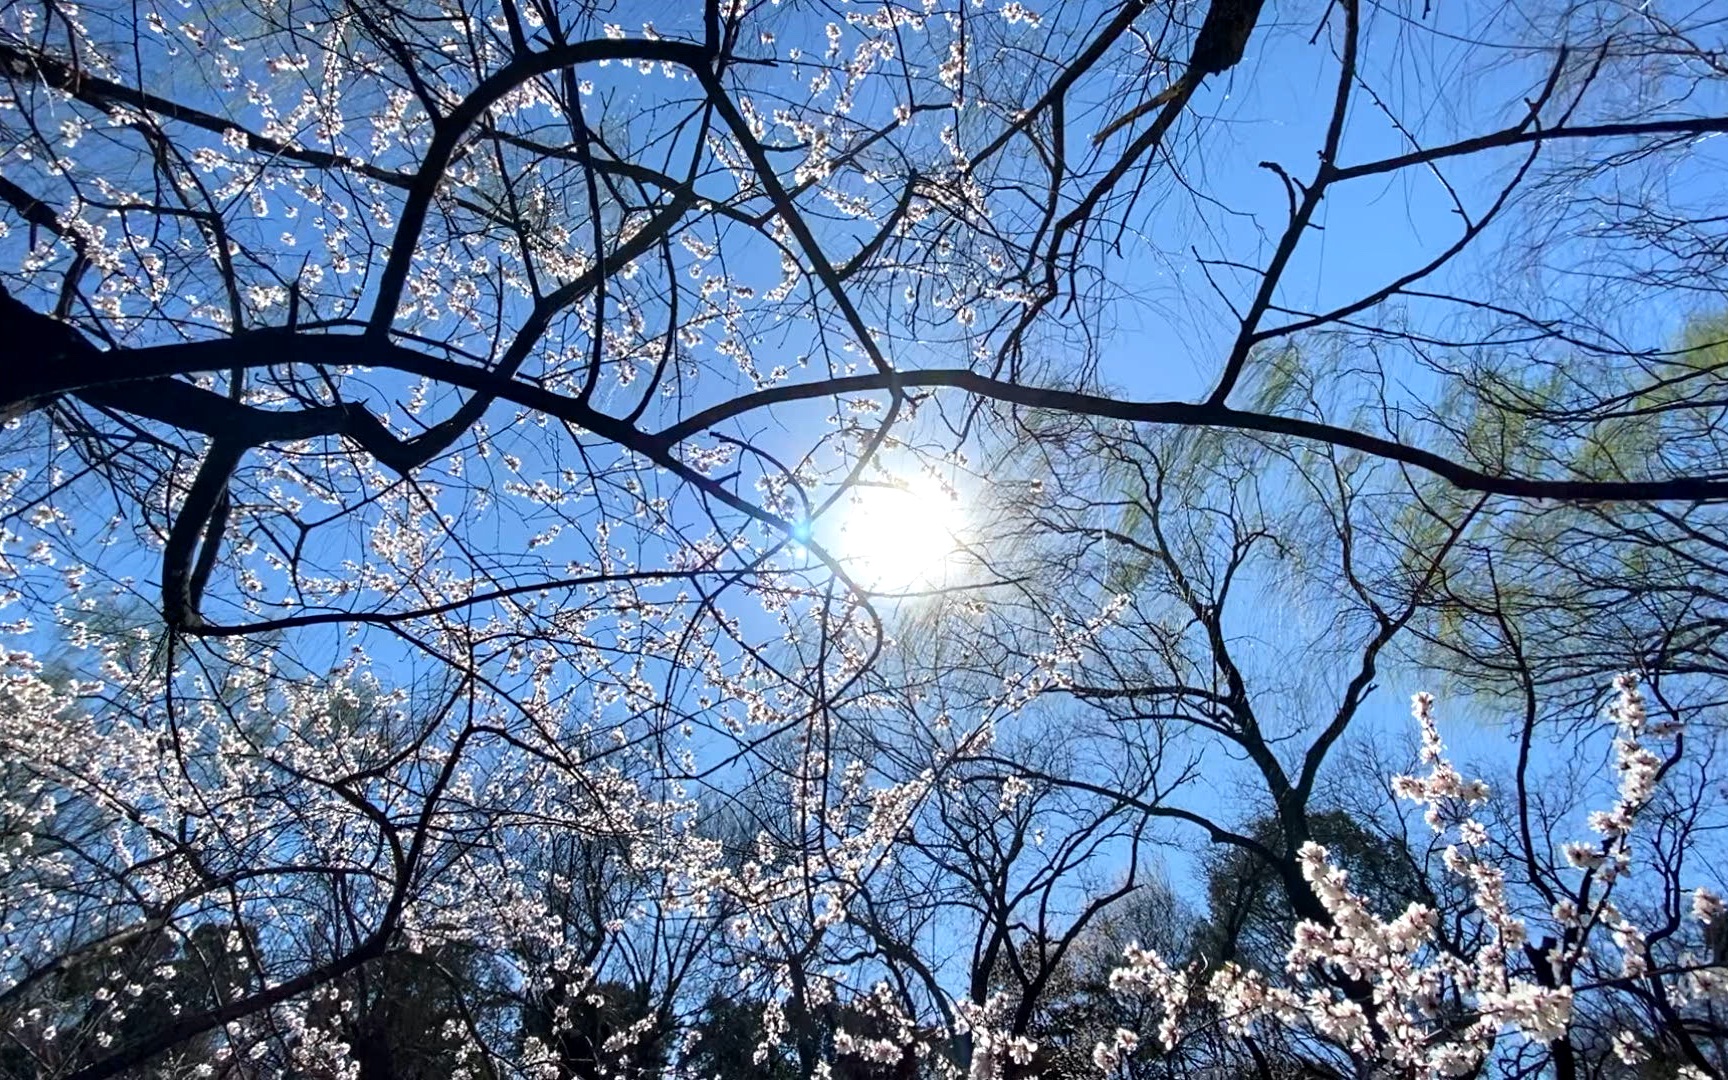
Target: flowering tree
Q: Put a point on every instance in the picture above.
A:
(433, 430)
(1394, 993)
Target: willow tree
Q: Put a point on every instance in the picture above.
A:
(523, 363)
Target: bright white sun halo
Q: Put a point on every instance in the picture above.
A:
(900, 537)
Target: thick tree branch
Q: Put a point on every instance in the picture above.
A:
(69, 372)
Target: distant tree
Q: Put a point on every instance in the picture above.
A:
(730, 1041)
(121, 991)
(449, 630)
(1251, 918)
(595, 1032)
(416, 1015)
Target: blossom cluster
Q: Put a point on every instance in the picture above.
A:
(1390, 990)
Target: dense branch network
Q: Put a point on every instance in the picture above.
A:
(434, 431)
(141, 379)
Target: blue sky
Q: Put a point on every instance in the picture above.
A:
(1168, 329)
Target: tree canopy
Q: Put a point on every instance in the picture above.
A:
(862, 539)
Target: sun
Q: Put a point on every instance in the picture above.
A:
(900, 536)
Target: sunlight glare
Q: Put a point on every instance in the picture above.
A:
(900, 538)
